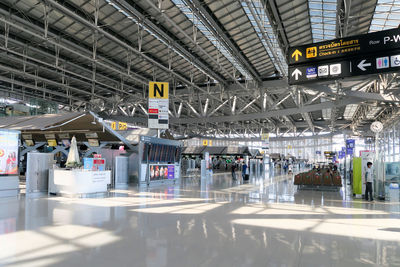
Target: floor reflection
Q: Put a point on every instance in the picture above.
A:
(208, 221)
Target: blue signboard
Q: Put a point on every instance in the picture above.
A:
(350, 143)
(349, 151)
(318, 152)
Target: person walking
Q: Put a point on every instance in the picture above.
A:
(290, 168)
(368, 182)
(233, 170)
(245, 171)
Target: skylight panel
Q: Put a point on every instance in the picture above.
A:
(119, 9)
(386, 16)
(271, 46)
(210, 36)
(323, 18)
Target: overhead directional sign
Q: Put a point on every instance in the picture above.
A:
(315, 72)
(158, 105)
(344, 47)
(349, 67)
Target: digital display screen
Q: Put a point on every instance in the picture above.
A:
(8, 153)
(161, 153)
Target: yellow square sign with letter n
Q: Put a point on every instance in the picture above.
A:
(158, 90)
(311, 52)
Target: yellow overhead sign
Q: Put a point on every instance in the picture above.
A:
(207, 142)
(158, 90)
(122, 126)
(265, 136)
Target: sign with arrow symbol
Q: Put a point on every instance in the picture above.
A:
(296, 74)
(296, 54)
(363, 64)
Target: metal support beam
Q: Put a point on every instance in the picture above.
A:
(273, 113)
(66, 11)
(204, 14)
(170, 41)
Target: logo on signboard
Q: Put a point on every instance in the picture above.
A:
(158, 90)
(311, 52)
(395, 61)
(311, 72)
(323, 71)
(382, 62)
(335, 69)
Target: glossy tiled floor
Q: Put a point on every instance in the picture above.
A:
(211, 221)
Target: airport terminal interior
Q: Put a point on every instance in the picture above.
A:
(163, 133)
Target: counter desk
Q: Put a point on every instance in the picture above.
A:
(77, 181)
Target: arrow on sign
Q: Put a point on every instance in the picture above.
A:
(362, 65)
(296, 73)
(296, 54)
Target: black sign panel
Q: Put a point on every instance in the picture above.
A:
(344, 47)
(317, 72)
(356, 66)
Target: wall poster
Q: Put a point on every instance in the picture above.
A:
(161, 172)
(9, 142)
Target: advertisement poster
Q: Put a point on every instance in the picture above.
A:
(161, 172)
(8, 153)
(94, 164)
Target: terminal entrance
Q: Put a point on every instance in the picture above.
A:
(199, 133)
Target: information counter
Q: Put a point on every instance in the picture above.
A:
(78, 181)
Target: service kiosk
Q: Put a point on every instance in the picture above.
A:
(93, 178)
(159, 160)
